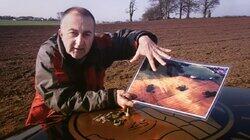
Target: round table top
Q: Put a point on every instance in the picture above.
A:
(230, 118)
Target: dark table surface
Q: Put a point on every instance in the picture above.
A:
(229, 119)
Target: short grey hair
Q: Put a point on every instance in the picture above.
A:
(82, 11)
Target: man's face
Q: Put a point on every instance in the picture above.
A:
(77, 34)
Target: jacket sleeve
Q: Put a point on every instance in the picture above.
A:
(123, 44)
(62, 96)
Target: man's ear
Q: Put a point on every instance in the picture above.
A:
(60, 32)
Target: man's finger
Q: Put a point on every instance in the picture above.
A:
(136, 57)
(162, 54)
(129, 104)
(159, 59)
(151, 62)
(126, 96)
(120, 92)
(165, 49)
(132, 95)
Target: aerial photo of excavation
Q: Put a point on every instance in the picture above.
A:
(179, 86)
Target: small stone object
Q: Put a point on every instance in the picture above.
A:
(97, 118)
(127, 112)
(115, 117)
(121, 113)
(117, 122)
(150, 88)
(182, 88)
(103, 120)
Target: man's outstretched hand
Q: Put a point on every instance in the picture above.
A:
(149, 49)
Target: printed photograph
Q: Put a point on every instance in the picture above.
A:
(179, 86)
(64, 58)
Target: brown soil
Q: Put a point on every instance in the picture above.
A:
(223, 41)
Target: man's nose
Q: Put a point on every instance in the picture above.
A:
(79, 40)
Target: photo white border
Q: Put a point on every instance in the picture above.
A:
(205, 117)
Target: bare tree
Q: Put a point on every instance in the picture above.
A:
(190, 6)
(131, 10)
(153, 13)
(187, 7)
(169, 6)
(207, 6)
(181, 7)
(166, 6)
(209, 14)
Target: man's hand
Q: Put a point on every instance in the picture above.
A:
(124, 99)
(149, 49)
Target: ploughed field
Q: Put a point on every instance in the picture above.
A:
(218, 41)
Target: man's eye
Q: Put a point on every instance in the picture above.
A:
(87, 34)
(73, 34)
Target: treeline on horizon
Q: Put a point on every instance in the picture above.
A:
(163, 9)
(27, 18)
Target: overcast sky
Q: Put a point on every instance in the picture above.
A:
(104, 10)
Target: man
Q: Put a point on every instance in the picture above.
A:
(70, 66)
